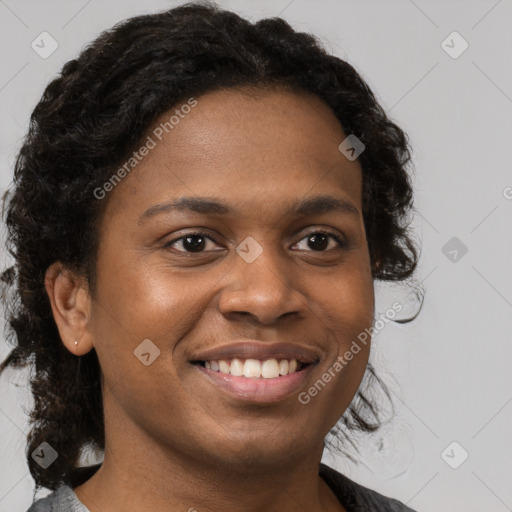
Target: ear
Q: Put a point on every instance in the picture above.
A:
(71, 305)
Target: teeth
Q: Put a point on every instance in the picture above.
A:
(253, 368)
(270, 369)
(223, 367)
(236, 368)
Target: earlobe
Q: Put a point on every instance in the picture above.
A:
(71, 306)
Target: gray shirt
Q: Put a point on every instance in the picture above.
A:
(354, 497)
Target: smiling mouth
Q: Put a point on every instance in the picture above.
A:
(254, 368)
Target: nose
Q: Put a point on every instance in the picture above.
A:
(262, 291)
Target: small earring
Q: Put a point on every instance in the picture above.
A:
(76, 343)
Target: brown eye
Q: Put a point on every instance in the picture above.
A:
(197, 242)
(191, 243)
(318, 241)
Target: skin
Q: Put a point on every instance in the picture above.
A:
(174, 441)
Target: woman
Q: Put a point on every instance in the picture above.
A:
(199, 212)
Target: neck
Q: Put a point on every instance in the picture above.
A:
(145, 478)
(138, 473)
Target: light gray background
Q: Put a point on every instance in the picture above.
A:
(450, 369)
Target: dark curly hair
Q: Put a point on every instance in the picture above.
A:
(89, 120)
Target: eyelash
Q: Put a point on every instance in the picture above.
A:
(342, 244)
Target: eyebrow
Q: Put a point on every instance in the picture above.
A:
(212, 206)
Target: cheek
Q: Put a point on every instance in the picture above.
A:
(347, 311)
(348, 304)
(144, 297)
(150, 301)
(136, 304)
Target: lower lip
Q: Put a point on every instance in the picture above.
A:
(258, 390)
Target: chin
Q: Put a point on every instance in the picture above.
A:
(248, 453)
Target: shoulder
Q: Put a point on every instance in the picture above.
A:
(356, 497)
(62, 499)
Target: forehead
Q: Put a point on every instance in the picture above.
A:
(245, 121)
(250, 146)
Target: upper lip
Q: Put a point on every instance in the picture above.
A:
(259, 350)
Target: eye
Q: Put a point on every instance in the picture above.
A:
(318, 241)
(195, 242)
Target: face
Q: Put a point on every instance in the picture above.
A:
(269, 274)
